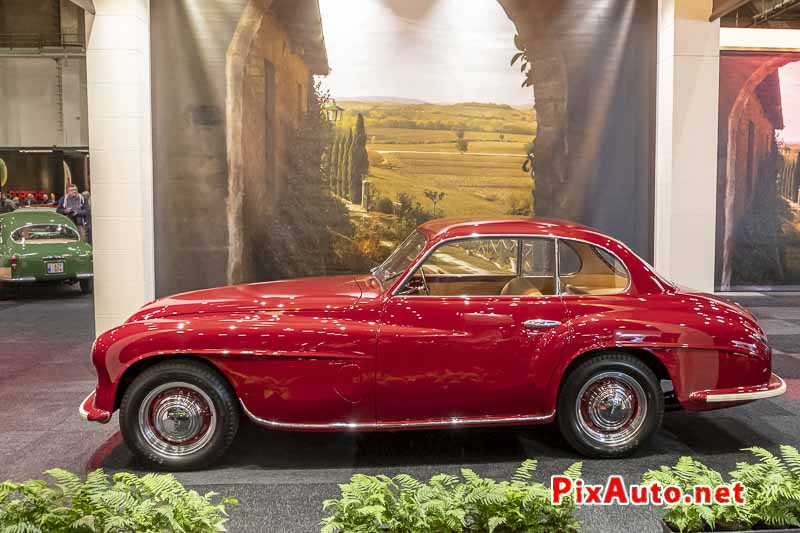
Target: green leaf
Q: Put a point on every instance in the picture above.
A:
(518, 43)
(515, 57)
(152, 503)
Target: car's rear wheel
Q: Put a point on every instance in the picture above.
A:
(179, 415)
(609, 405)
(87, 285)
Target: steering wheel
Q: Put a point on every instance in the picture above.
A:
(424, 281)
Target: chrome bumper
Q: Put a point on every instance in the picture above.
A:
(26, 279)
(89, 412)
(775, 387)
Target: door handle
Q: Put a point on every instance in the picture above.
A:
(540, 323)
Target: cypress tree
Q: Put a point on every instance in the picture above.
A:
(359, 161)
(344, 169)
(325, 164)
(333, 163)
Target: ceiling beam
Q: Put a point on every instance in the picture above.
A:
(723, 7)
(88, 5)
(775, 11)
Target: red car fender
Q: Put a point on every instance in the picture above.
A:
(693, 359)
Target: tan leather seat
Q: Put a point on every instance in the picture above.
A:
(521, 287)
(572, 289)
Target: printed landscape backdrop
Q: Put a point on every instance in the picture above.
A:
(307, 137)
(758, 215)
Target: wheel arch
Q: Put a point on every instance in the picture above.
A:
(135, 369)
(646, 356)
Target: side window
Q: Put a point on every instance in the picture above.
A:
(589, 269)
(537, 257)
(538, 273)
(569, 262)
(468, 267)
(477, 257)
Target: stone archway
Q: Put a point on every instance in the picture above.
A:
(745, 94)
(239, 51)
(276, 48)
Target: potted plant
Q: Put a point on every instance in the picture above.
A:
(151, 503)
(771, 497)
(449, 504)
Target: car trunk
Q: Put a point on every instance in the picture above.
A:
(51, 262)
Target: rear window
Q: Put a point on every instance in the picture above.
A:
(588, 269)
(44, 234)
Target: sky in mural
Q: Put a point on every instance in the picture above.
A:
(790, 102)
(439, 51)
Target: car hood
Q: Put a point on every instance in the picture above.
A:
(303, 294)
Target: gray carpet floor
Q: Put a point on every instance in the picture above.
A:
(281, 478)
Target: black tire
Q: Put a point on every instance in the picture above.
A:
(87, 285)
(617, 390)
(193, 376)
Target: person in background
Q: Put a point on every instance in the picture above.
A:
(52, 198)
(15, 199)
(29, 200)
(6, 205)
(87, 202)
(73, 206)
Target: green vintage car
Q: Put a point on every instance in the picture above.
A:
(41, 245)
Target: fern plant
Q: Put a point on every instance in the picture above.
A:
(773, 487)
(772, 493)
(687, 474)
(154, 503)
(449, 504)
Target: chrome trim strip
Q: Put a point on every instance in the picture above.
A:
(745, 396)
(397, 425)
(85, 275)
(421, 259)
(466, 421)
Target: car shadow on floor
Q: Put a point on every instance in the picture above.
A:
(40, 291)
(266, 449)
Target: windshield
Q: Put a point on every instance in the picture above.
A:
(44, 234)
(402, 256)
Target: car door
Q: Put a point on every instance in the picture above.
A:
(467, 349)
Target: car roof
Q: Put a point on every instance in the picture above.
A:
(23, 216)
(506, 225)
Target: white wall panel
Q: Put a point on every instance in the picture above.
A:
(118, 72)
(686, 143)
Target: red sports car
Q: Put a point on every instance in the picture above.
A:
(468, 322)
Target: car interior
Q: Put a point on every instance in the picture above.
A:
(517, 267)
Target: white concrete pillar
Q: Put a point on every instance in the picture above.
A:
(686, 142)
(120, 146)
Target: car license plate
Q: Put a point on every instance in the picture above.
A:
(56, 267)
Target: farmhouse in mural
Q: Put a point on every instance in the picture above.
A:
(269, 67)
(758, 230)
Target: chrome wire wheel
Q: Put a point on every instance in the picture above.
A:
(611, 408)
(177, 419)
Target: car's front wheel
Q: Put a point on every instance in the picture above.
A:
(609, 405)
(179, 415)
